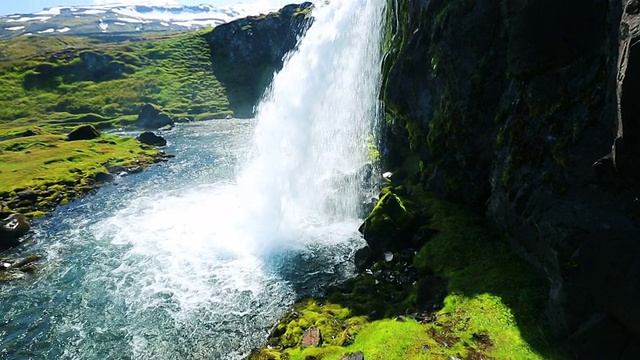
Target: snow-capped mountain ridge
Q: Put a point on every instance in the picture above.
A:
(92, 19)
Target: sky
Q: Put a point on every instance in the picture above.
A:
(30, 6)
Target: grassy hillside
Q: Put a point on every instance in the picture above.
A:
(49, 85)
(62, 81)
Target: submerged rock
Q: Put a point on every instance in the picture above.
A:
(153, 117)
(11, 229)
(150, 138)
(11, 269)
(83, 132)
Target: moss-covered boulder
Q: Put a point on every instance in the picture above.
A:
(391, 224)
(83, 132)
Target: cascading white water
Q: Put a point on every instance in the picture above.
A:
(198, 259)
(316, 119)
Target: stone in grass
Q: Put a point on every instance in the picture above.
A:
(153, 117)
(358, 355)
(11, 229)
(83, 132)
(311, 337)
(150, 138)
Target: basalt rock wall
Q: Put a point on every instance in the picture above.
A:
(529, 111)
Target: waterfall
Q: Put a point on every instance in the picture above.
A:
(199, 257)
(316, 120)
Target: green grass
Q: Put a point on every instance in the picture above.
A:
(57, 170)
(44, 81)
(492, 309)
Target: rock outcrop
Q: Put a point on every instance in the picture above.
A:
(152, 139)
(152, 117)
(83, 132)
(12, 228)
(248, 51)
(527, 111)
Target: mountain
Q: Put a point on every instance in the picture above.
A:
(122, 19)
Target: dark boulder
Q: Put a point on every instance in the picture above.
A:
(153, 117)
(83, 132)
(150, 138)
(11, 229)
(103, 177)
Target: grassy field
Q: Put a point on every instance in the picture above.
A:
(41, 171)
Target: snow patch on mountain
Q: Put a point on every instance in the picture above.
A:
(79, 20)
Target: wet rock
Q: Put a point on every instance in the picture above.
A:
(11, 269)
(633, 7)
(150, 138)
(11, 229)
(358, 355)
(311, 337)
(363, 258)
(83, 132)
(103, 177)
(153, 117)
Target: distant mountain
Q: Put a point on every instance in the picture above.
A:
(119, 19)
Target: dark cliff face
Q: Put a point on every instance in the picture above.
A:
(247, 52)
(514, 107)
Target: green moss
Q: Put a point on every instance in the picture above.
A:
(53, 167)
(492, 308)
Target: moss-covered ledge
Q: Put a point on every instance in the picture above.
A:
(463, 293)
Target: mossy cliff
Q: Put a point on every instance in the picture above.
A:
(247, 52)
(514, 108)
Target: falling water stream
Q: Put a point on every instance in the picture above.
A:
(198, 257)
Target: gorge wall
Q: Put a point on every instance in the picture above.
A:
(527, 110)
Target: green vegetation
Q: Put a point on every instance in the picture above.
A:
(59, 81)
(492, 304)
(50, 84)
(41, 171)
